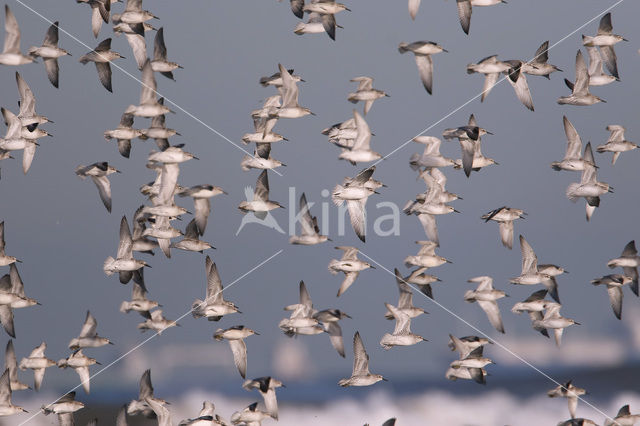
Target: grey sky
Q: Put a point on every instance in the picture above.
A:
(56, 224)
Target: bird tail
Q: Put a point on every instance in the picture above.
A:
(587, 40)
(125, 307)
(571, 189)
(108, 261)
(402, 48)
(334, 195)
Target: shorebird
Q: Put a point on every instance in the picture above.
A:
(213, 307)
(124, 263)
(422, 51)
(580, 89)
(140, 406)
(11, 54)
(139, 301)
(402, 335)
(101, 56)
(589, 187)
(149, 106)
(15, 141)
(505, 217)
(540, 65)
(356, 193)
(614, 285)
(470, 131)
(426, 256)
(275, 80)
(4, 259)
(422, 280)
(6, 406)
(405, 299)
(190, 241)
(479, 375)
(251, 415)
(551, 284)
(629, 262)
(263, 126)
(88, 337)
(518, 81)
(573, 159)
(365, 92)
(597, 76)
(206, 416)
(318, 23)
(261, 205)
(474, 362)
(301, 314)
(623, 418)
(133, 13)
(472, 157)
(159, 131)
(569, 391)
(553, 320)
(465, 9)
(235, 336)
(616, 142)
(160, 63)
(37, 362)
(134, 34)
(50, 52)
(486, 296)
(530, 274)
(605, 39)
(360, 151)
(11, 364)
(140, 242)
(466, 345)
(154, 320)
(534, 305)
(64, 407)
(310, 232)
(98, 173)
(159, 407)
(350, 265)
(267, 387)
(431, 156)
(100, 11)
(360, 375)
(328, 320)
(79, 362)
(491, 67)
(201, 195)
(27, 114)
(289, 92)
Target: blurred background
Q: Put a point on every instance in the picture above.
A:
(56, 224)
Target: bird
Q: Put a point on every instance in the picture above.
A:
(328, 320)
(405, 299)
(50, 52)
(154, 320)
(37, 362)
(159, 131)
(614, 283)
(27, 114)
(261, 158)
(534, 305)
(149, 106)
(88, 337)
(79, 362)
(518, 80)
(350, 265)
(133, 13)
(160, 63)
(124, 263)
(624, 417)
(360, 151)
(569, 391)
(159, 406)
(310, 232)
(426, 256)
(6, 406)
(190, 241)
(365, 92)
(466, 345)
(355, 193)
(4, 258)
(540, 65)
(64, 407)
(11, 54)
(251, 415)
(102, 55)
(605, 39)
(98, 173)
(629, 262)
(553, 320)
(530, 273)
(422, 51)
(260, 205)
(597, 76)
(213, 307)
(267, 387)
(301, 315)
(275, 80)
(573, 159)
(491, 67)
(422, 281)
(402, 335)
(11, 364)
(617, 144)
(134, 33)
(289, 91)
(580, 89)
(318, 23)
(360, 376)
(505, 216)
(206, 416)
(486, 296)
(263, 126)
(589, 187)
(140, 406)
(551, 284)
(431, 157)
(14, 140)
(472, 157)
(140, 242)
(100, 11)
(236, 335)
(474, 363)
(139, 301)
(465, 9)
(201, 195)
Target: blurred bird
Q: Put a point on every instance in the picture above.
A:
(50, 52)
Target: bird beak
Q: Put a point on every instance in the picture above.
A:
(386, 380)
